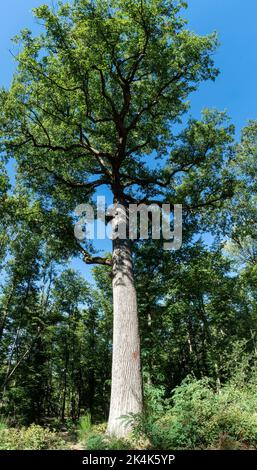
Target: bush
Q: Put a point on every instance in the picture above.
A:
(84, 428)
(97, 441)
(201, 418)
(95, 437)
(3, 424)
(32, 438)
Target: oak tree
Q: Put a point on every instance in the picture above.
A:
(94, 103)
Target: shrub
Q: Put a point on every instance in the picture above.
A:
(32, 438)
(96, 441)
(201, 418)
(84, 427)
(3, 424)
(95, 438)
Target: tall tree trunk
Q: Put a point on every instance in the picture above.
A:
(126, 390)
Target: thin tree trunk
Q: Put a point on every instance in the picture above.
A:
(65, 383)
(150, 362)
(16, 367)
(5, 312)
(126, 390)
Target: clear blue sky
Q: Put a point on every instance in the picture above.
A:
(235, 90)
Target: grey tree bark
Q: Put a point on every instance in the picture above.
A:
(126, 389)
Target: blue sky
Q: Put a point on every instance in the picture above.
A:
(235, 90)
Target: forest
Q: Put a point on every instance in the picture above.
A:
(150, 348)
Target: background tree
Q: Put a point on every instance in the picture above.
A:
(239, 220)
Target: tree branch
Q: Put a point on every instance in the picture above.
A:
(88, 259)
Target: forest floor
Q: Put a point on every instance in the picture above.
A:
(71, 440)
